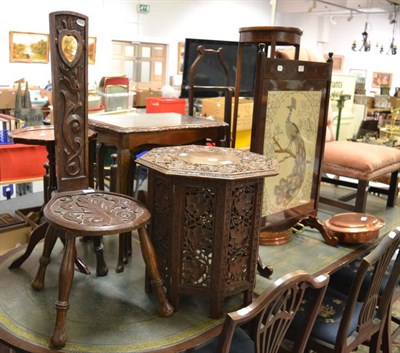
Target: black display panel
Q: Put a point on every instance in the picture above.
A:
(210, 71)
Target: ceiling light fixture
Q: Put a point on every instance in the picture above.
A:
(350, 17)
(366, 45)
(313, 6)
(393, 21)
(393, 47)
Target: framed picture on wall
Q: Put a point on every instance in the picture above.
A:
(338, 61)
(92, 50)
(28, 47)
(181, 54)
(360, 80)
(381, 79)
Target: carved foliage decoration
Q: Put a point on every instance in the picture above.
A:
(159, 229)
(96, 209)
(241, 226)
(69, 57)
(198, 236)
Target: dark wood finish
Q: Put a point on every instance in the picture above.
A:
(206, 219)
(291, 76)
(133, 133)
(75, 210)
(271, 36)
(227, 89)
(363, 188)
(266, 329)
(305, 250)
(373, 322)
(44, 136)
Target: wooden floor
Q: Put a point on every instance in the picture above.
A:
(114, 314)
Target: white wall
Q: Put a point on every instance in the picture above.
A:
(319, 32)
(171, 21)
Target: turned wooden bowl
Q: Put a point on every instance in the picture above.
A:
(354, 227)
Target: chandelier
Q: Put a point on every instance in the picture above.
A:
(366, 44)
(393, 47)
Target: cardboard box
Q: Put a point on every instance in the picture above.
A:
(215, 107)
(13, 237)
(7, 98)
(141, 95)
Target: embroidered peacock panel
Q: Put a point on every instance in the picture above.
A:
(290, 137)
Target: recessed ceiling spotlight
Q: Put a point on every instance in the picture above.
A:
(350, 17)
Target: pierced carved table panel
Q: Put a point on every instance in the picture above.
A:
(206, 210)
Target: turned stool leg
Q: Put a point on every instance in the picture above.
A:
(101, 267)
(149, 255)
(66, 276)
(49, 242)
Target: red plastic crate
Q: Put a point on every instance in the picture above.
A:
(165, 105)
(18, 161)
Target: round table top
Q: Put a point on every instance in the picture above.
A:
(36, 135)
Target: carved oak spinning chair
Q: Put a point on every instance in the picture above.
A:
(261, 326)
(74, 210)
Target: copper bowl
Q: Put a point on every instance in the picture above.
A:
(354, 228)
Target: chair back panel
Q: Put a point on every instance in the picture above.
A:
(375, 304)
(271, 314)
(68, 44)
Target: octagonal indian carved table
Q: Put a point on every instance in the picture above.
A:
(206, 210)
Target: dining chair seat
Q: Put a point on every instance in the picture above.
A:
(340, 279)
(360, 316)
(327, 323)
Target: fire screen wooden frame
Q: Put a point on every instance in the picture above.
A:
(289, 124)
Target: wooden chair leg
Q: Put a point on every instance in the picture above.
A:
(101, 266)
(149, 255)
(122, 253)
(361, 197)
(393, 189)
(100, 155)
(49, 242)
(66, 277)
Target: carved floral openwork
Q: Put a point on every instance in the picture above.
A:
(199, 222)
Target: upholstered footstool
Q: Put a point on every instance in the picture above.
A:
(364, 163)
